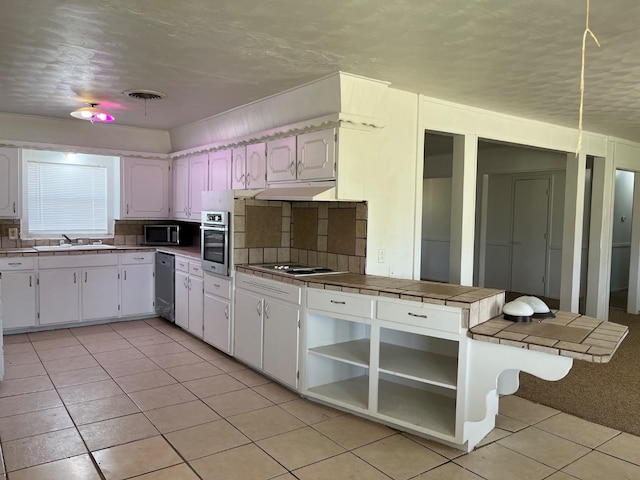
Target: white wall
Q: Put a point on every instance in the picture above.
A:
(82, 136)
(390, 188)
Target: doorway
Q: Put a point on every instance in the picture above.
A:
(529, 238)
(621, 241)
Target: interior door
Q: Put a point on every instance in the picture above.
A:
(529, 237)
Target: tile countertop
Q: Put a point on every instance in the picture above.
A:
(478, 304)
(569, 334)
(190, 251)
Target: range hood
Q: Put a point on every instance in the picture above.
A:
(302, 191)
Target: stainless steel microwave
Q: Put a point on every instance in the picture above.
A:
(166, 235)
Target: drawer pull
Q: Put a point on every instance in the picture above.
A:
(15, 263)
(338, 302)
(216, 285)
(418, 315)
(138, 258)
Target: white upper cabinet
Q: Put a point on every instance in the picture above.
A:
(190, 179)
(239, 168)
(256, 176)
(220, 170)
(181, 188)
(249, 167)
(144, 189)
(198, 183)
(9, 182)
(281, 160)
(307, 157)
(317, 155)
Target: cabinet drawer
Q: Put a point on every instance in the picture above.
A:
(220, 287)
(75, 261)
(182, 264)
(336, 302)
(17, 263)
(136, 258)
(437, 317)
(195, 269)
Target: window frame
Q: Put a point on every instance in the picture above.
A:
(59, 157)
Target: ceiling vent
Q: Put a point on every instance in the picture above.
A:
(145, 94)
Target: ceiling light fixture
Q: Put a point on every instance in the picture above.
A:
(93, 114)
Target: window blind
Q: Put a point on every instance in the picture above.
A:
(66, 198)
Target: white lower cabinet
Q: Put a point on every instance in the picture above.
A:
(384, 360)
(266, 326)
(137, 286)
(217, 312)
(78, 287)
(247, 333)
(189, 295)
(280, 341)
(99, 292)
(338, 348)
(18, 292)
(59, 296)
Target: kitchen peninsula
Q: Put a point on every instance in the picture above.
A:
(425, 357)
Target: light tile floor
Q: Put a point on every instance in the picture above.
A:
(146, 400)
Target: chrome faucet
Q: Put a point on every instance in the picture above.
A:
(68, 239)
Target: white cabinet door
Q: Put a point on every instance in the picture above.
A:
(18, 299)
(144, 188)
(182, 300)
(239, 168)
(281, 159)
(137, 290)
(316, 155)
(196, 304)
(99, 293)
(280, 357)
(256, 164)
(59, 296)
(180, 189)
(198, 183)
(217, 322)
(220, 170)
(9, 182)
(247, 328)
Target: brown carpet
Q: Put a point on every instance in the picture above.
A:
(607, 394)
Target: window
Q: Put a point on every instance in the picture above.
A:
(67, 194)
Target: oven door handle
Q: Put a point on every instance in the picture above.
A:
(216, 229)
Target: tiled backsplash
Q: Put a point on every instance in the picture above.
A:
(327, 234)
(126, 232)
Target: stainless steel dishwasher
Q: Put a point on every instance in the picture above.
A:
(165, 285)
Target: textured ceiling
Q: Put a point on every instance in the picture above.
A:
(515, 56)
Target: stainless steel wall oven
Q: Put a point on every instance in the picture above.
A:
(215, 242)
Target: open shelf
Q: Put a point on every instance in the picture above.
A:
(351, 391)
(419, 365)
(355, 352)
(424, 409)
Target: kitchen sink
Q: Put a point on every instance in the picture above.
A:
(67, 246)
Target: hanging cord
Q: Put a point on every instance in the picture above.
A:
(588, 31)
